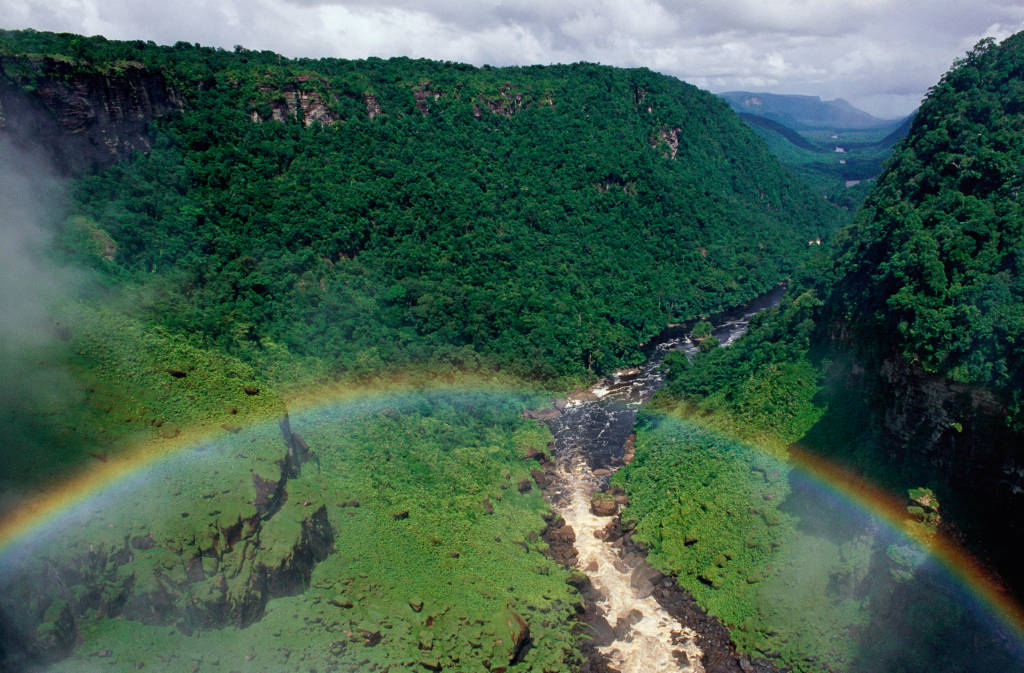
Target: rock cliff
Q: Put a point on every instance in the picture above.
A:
(959, 434)
(294, 101)
(83, 118)
(231, 542)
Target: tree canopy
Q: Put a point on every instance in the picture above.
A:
(379, 214)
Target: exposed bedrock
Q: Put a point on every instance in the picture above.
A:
(229, 546)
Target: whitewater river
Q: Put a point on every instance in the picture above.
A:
(591, 433)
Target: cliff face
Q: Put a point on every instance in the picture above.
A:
(83, 119)
(958, 429)
(291, 101)
(234, 542)
(927, 284)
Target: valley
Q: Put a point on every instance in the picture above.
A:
(288, 349)
(830, 145)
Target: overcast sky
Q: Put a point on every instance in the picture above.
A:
(882, 55)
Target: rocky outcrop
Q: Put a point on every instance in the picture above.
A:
(296, 101)
(959, 433)
(83, 118)
(928, 412)
(509, 102)
(423, 96)
(298, 450)
(667, 139)
(602, 504)
(248, 543)
(372, 105)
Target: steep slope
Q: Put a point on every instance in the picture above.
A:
(924, 287)
(932, 263)
(898, 352)
(380, 214)
(895, 355)
(930, 289)
(900, 132)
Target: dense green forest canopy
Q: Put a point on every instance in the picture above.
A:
(933, 267)
(294, 219)
(897, 351)
(383, 214)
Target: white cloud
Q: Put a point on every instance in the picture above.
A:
(880, 54)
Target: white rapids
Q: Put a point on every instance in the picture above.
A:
(654, 641)
(590, 437)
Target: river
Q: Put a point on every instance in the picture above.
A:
(592, 439)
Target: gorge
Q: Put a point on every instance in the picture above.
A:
(412, 259)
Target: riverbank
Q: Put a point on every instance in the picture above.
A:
(639, 620)
(633, 612)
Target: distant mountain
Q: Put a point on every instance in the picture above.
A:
(783, 130)
(804, 112)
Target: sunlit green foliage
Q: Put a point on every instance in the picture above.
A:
(765, 383)
(800, 574)
(546, 220)
(110, 383)
(932, 267)
(436, 547)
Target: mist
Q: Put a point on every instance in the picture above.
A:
(33, 340)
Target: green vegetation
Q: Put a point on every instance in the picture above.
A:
(299, 222)
(798, 573)
(932, 266)
(844, 178)
(435, 559)
(922, 281)
(536, 219)
(110, 383)
(712, 511)
(919, 291)
(835, 148)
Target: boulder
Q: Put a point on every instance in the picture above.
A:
(601, 505)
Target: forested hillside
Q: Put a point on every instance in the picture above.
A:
(380, 214)
(897, 353)
(230, 229)
(932, 269)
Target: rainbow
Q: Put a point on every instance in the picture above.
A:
(35, 511)
(39, 511)
(884, 506)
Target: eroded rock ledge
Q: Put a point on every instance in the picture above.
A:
(83, 117)
(231, 551)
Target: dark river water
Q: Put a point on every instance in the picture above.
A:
(595, 424)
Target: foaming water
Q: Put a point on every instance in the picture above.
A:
(653, 641)
(591, 434)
